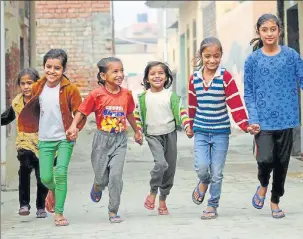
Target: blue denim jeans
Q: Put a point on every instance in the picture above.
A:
(210, 156)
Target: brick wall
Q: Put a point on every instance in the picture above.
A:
(83, 29)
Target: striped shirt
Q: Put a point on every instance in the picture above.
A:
(207, 105)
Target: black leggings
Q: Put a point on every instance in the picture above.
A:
(273, 151)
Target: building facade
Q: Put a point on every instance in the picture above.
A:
(17, 52)
(84, 29)
(136, 45)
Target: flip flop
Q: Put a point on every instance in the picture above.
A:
(277, 216)
(61, 223)
(163, 211)
(203, 217)
(41, 213)
(148, 204)
(201, 195)
(94, 195)
(115, 219)
(24, 211)
(261, 200)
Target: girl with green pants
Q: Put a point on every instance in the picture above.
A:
(50, 113)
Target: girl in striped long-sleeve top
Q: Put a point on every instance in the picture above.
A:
(211, 90)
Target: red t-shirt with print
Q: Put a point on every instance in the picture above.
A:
(110, 109)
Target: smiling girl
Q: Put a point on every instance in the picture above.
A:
(271, 77)
(50, 113)
(159, 114)
(211, 90)
(112, 105)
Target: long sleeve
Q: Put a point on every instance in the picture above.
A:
(299, 68)
(249, 96)
(138, 118)
(184, 117)
(8, 116)
(234, 101)
(192, 101)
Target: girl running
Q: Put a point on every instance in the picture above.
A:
(271, 75)
(112, 105)
(50, 113)
(211, 90)
(159, 114)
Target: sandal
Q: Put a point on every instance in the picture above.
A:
(148, 204)
(24, 211)
(163, 211)
(94, 195)
(61, 223)
(277, 211)
(41, 213)
(206, 215)
(201, 195)
(50, 202)
(115, 219)
(260, 199)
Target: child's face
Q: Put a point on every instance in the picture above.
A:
(156, 77)
(114, 74)
(211, 57)
(26, 84)
(53, 71)
(269, 33)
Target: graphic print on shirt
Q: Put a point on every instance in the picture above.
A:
(114, 120)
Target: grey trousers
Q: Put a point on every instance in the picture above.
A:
(164, 151)
(108, 156)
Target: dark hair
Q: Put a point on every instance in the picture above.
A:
(167, 72)
(33, 74)
(56, 54)
(261, 20)
(197, 61)
(102, 65)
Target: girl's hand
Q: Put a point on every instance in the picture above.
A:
(253, 129)
(189, 132)
(138, 137)
(72, 133)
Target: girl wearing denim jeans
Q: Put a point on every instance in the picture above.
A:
(50, 113)
(211, 89)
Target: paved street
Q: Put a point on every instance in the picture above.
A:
(237, 218)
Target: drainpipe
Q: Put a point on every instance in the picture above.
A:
(3, 100)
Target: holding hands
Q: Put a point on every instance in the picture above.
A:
(138, 137)
(253, 129)
(189, 132)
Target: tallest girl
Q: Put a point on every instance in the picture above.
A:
(271, 95)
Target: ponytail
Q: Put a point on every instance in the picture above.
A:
(257, 45)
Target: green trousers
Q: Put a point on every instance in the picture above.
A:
(57, 183)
